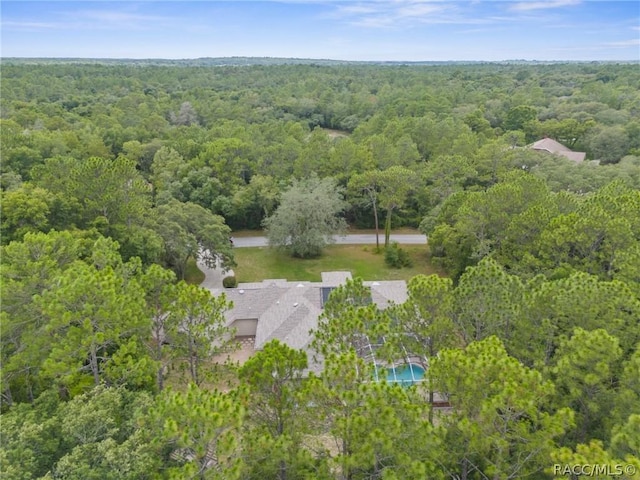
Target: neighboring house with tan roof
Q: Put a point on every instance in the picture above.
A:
(289, 311)
(556, 148)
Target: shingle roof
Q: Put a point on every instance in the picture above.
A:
(252, 302)
(290, 318)
(551, 146)
(575, 156)
(333, 279)
(289, 311)
(384, 293)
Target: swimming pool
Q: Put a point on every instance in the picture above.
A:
(406, 375)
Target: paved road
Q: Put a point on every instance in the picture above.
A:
(353, 239)
(214, 276)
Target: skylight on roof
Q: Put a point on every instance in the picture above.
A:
(324, 294)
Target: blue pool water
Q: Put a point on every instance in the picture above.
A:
(405, 375)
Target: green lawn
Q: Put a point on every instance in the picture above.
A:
(351, 230)
(193, 274)
(257, 264)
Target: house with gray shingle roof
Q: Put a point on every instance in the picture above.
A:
(289, 311)
(556, 148)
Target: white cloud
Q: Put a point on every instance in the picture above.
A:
(418, 10)
(544, 5)
(120, 17)
(357, 10)
(114, 18)
(402, 13)
(30, 26)
(625, 43)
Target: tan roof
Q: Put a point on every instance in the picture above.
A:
(551, 146)
(289, 311)
(333, 279)
(290, 318)
(387, 292)
(575, 156)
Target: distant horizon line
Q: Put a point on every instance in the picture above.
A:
(245, 57)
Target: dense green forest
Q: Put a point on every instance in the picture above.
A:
(115, 176)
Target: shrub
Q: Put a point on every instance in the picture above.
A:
(396, 257)
(229, 282)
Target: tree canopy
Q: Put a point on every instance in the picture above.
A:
(307, 218)
(117, 176)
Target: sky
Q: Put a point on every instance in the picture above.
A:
(371, 30)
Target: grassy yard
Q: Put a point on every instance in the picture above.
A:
(257, 264)
(193, 274)
(351, 230)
